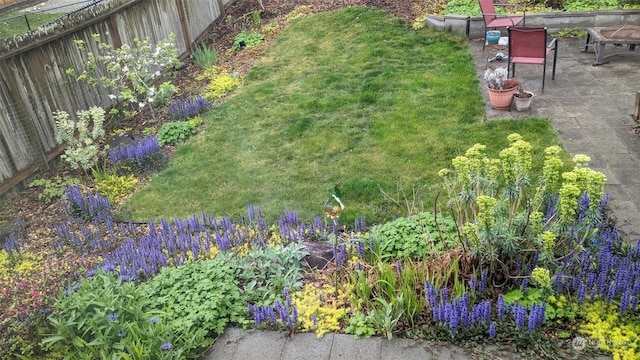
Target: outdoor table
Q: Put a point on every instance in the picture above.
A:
(620, 35)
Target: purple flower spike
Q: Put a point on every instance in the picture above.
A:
(492, 330)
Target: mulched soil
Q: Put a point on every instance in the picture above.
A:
(40, 218)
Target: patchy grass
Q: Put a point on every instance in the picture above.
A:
(353, 96)
(15, 23)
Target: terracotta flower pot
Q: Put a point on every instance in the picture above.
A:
(501, 99)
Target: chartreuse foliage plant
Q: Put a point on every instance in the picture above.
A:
(116, 187)
(319, 309)
(219, 82)
(500, 207)
(610, 330)
(53, 189)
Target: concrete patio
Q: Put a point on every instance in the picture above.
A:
(591, 108)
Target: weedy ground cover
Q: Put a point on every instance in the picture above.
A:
(16, 23)
(354, 97)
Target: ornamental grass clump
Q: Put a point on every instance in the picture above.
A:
(183, 109)
(143, 154)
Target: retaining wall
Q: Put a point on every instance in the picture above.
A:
(473, 26)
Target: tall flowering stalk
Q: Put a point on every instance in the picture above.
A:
(144, 153)
(504, 217)
(183, 109)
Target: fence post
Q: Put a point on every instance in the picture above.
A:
(26, 19)
(636, 108)
(183, 24)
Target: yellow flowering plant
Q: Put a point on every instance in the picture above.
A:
(501, 206)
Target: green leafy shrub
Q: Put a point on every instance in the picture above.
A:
(175, 132)
(359, 326)
(200, 298)
(205, 56)
(414, 236)
(53, 189)
(104, 318)
(247, 39)
(463, 7)
(586, 5)
(116, 187)
(264, 272)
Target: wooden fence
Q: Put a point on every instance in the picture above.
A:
(33, 83)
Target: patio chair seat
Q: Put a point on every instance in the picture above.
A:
(530, 60)
(504, 22)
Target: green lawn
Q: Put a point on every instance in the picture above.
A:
(16, 23)
(353, 96)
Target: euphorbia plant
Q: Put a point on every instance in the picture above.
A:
(507, 222)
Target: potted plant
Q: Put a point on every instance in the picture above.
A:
(501, 88)
(522, 98)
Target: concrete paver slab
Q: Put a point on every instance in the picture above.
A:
(347, 347)
(308, 346)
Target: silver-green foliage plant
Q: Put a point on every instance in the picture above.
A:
(131, 71)
(264, 272)
(81, 135)
(503, 216)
